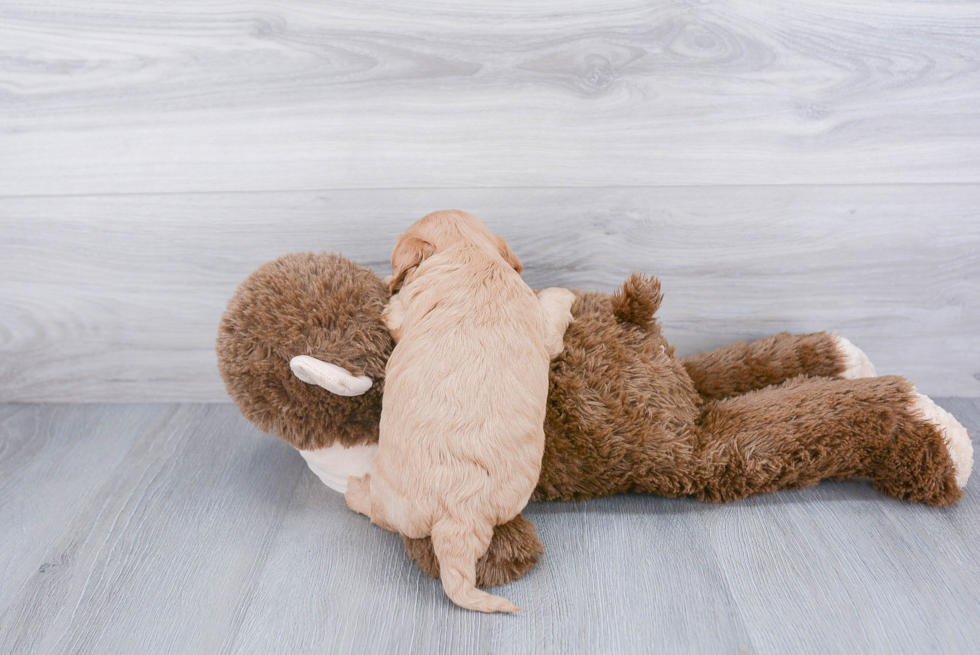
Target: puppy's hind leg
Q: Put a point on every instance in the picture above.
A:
(458, 545)
(358, 494)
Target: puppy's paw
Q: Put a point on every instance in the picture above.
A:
(954, 434)
(557, 305)
(856, 363)
(564, 297)
(358, 495)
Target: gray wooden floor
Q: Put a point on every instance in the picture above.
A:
(180, 529)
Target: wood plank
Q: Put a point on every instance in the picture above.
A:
(53, 461)
(117, 298)
(838, 568)
(627, 574)
(106, 97)
(159, 558)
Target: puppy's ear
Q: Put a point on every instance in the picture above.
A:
(409, 252)
(509, 255)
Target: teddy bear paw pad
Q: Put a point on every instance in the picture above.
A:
(856, 363)
(954, 434)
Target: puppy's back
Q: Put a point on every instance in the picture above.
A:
(466, 390)
(462, 421)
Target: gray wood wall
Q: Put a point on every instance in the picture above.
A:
(781, 165)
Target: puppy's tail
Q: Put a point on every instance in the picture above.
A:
(458, 545)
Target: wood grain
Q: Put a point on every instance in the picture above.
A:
(53, 461)
(180, 529)
(105, 97)
(573, 602)
(157, 559)
(117, 298)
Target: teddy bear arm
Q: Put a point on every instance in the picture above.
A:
(743, 367)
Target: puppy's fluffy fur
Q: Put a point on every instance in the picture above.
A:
(462, 419)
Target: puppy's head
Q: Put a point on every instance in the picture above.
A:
(437, 232)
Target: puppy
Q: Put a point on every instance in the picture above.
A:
(462, 419)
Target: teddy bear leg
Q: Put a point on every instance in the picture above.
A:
(892, 459)
(811, 429)
(514, 550)
(743, 367)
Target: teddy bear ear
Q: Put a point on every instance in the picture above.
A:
(638, 300)
(333, 378)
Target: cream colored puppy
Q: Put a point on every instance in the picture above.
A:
(462, 420)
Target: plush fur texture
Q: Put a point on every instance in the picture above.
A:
(462, 418)
(812, 429)
(625, 414)
(743, 367)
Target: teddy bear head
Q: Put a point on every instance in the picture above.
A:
(318, 304)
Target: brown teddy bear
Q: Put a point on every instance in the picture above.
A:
(302, 350)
